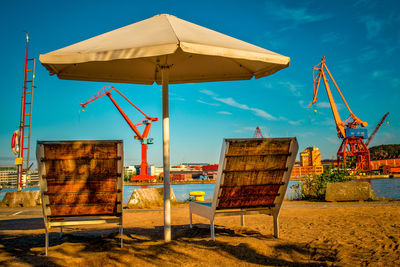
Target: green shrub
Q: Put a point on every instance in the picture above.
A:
(314, 187)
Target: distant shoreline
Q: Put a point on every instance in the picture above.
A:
(174, 182)
(359, 177)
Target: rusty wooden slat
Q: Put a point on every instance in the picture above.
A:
(279, 184)
(82, 209)
(78, 158)
(248, 196)
(259, 146)
(78, 149)
(81, 167)
(254, 155)
(92, 186)
(255, 163)
(68, 177)
(258, 170)
(83, 198)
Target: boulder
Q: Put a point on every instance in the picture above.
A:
(21, 199)
(152, 197)
(348, 191)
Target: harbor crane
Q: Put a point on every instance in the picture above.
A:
(257, 133)
(351, 130)
(142, 137)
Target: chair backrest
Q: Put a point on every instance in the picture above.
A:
(81, 178)
(254, 172)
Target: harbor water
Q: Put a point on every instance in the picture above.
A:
(382, 188)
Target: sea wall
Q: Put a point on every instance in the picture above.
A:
(348, 191)
(21, 199)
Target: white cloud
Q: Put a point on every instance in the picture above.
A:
(224, 112)
(333, 140)
(395, 82)
(293, 88)
(380, 74)
(206, 103)
(299, 15)
(323, 104)
(367, 55)
(295, 123)
(258, 112)
(262, 113)
(207, 92)
(373, 26)
(330, 37)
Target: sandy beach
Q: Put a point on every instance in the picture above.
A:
(312, 234)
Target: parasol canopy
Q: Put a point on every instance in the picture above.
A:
(134, 53)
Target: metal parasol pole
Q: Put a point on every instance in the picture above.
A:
(166, 158)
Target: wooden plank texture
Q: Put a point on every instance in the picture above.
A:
(81, 149)
(253, 172)
(82, 177)
(82, 210)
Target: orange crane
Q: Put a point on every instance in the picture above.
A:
(142, 137)
(353, 136)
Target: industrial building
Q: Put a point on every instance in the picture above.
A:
(310, 163)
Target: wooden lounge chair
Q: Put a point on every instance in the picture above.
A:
(253, 176)
(81, 183)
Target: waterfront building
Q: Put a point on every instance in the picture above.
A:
(310, 163)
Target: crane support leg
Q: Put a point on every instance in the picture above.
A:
(354, 147)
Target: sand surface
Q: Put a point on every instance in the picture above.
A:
(311, 234)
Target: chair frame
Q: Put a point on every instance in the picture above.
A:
(209, 210)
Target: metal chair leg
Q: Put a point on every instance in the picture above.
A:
(121, 231)
(276, 226)
(212, 230)
(190, 218)
(46, 241)
(242, 219)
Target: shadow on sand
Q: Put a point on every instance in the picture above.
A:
(146, 245)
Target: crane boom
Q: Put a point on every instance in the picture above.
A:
(376, 129)
(142, 137)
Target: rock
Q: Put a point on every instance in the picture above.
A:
(21, 199)
(152, 197)
(348, 191)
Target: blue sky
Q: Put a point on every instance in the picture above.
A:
(360, 39)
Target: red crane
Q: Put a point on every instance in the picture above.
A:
(376, 129)
(142, 137)
(353, 136)
(257, 133)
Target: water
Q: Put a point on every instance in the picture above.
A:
(387, 188)
(181, 191)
